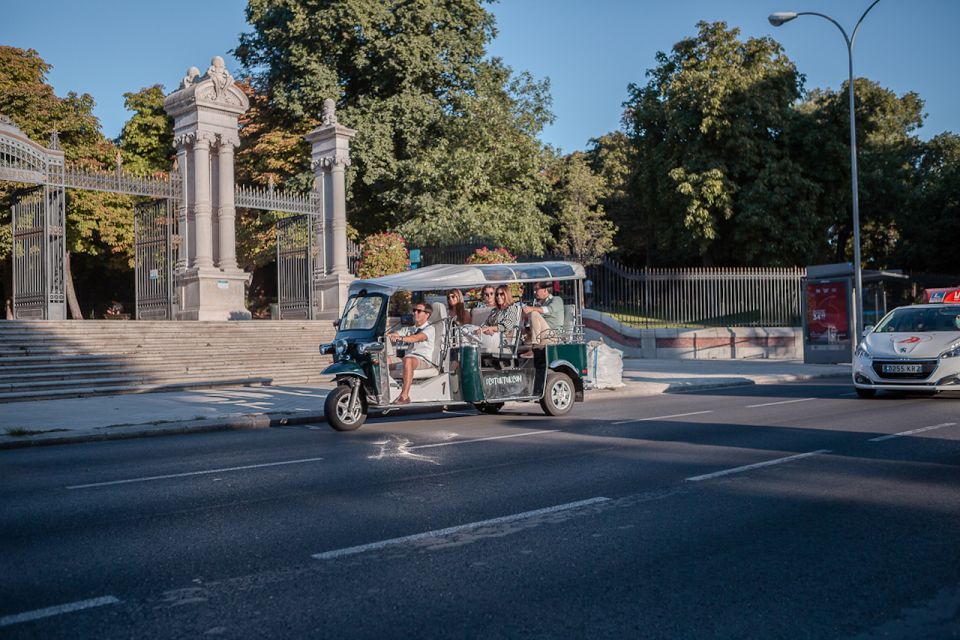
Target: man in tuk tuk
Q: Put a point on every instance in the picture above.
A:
(544, 315)
(422, 337)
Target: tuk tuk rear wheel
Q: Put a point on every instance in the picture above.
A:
(336, 409)
(558, 394)
(489, 407)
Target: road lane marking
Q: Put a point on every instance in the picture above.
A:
(768, 463)
(912, 431)
(676, 415)
(193, 473)
(437, 533)
(453, 442)
(770, 404)
(37, 614)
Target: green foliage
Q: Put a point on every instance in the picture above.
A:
(446, 144)
(483, 255)
(147, 137)
(584, 234)
(708, 129)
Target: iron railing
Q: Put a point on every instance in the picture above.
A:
(721, 297)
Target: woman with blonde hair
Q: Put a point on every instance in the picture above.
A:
(456, 309)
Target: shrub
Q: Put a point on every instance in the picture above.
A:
(483, 255)
(382, 254)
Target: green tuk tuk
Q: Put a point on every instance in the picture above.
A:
(460, 371)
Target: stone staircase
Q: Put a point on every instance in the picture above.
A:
(58, 359)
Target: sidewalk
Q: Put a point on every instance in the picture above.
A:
(134, 415)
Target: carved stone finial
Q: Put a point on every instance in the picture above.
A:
(270, 184)
(329, 111)
(119, 159)
(192, 75)
(5, 120)
(54, 141)
(217, 72)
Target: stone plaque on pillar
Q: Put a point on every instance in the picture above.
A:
(330, 156)
(206, 109)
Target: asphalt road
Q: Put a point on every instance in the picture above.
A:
(781, 511)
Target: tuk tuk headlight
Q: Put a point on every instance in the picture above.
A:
(952, 352)
(340, 347)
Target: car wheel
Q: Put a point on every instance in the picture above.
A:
(558, 395)
(865, 393)
(336, 409)
(489, 407)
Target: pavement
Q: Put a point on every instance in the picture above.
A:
(70, 420)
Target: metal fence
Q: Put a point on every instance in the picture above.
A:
(727, 297)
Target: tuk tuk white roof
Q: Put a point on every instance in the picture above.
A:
(451, 276)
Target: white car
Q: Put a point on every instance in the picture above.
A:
(914, 348)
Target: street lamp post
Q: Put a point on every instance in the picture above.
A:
(780, 18)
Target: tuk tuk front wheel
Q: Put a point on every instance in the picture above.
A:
(558, 394)
(337, 410)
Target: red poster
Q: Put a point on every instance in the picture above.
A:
(828, 315)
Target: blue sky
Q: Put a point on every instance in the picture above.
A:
(589, 50)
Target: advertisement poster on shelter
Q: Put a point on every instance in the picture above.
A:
(828, 313)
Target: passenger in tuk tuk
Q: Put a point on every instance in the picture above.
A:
(502, 322)
(545, 315)
(422, 336)
(456, 308)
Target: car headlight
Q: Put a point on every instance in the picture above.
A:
(862, 351)
(952, 352)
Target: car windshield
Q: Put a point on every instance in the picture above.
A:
(361, 313)
(915, 319)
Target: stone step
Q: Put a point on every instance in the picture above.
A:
(98, 390)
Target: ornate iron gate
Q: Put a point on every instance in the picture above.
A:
(39, 250)
(297, 257)
(154, 259)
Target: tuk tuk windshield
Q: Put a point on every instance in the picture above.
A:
(362, 312)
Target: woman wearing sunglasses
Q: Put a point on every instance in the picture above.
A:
(502, 321)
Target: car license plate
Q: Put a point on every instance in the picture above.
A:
(902, 368)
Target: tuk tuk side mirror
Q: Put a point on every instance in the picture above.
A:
(867, 329)
(336, 323)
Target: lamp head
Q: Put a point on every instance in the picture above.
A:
(781, 17)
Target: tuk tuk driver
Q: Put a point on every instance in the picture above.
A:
(545, 315)
(422, 337)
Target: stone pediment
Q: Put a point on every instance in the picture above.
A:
(215, 89)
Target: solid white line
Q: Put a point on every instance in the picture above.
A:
(676, 415)
(57, 610)
(748, 467)
(192, 473)
(453, 442)
(349, 551)
(907, 433)
(770, 404)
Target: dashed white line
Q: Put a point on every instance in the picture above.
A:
(676, 415)
(373, 546)
(37, 614)
(193, 473)
(912, 431)
(768, 463)
(770, 404)
(453, 442)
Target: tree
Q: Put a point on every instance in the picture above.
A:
(146, 140)
(715, 181)
(612, 157)
(446, 142)
(98, 224)
(929, 232)
(584, 233)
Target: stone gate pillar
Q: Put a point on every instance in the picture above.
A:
(206, 110)
(330, 156)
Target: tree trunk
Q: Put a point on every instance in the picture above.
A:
(72, 303)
